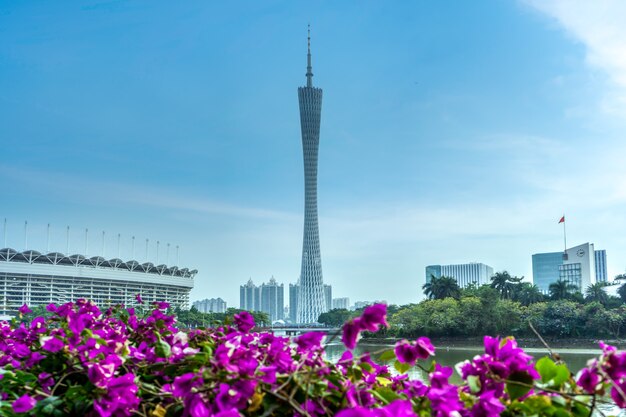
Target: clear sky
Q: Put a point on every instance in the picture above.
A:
(451, 132)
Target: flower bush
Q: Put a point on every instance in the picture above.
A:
(83, 361)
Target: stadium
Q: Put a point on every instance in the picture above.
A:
(33, 278)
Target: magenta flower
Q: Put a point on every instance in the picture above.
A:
(139, 299)
(488, 406)
(310, 341)
(355, 412)
(406, 352)
(397, 408)
(51, 344)
(373, 317)
(588, 379)
(24, 404)
(617, 395)
(424, 348)
(410, 352)
(351, 333)
(24, 309)
(234, 396)
(244, 321)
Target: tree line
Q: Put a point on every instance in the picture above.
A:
(506, 306)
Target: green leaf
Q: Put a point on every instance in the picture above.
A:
(162, 348)
(473, 382)
(518, 384)
(562, 375)
(366, 367)
(387, 356)
(546, 368)
(579, 410)
(401, 367)
(385, 394)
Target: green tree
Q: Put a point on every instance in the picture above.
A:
(561, 290)
(440, 288)
(596, 292)
(622, 292)
(505, 284)
(527, 294)
(335, 317)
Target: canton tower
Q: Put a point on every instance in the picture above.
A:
(311, 301)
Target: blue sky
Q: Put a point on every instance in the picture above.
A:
(451, 132)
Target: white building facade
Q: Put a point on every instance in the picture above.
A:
(210, 305)
(33, 278)
(464, 274)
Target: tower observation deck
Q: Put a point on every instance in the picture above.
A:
(311, 301)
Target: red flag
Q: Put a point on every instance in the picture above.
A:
(562, 220)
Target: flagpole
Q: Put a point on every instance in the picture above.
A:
(564, 234)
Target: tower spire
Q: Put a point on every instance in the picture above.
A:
(309, 68)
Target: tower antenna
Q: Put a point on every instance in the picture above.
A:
(309, 68)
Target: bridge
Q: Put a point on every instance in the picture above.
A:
(295, 330)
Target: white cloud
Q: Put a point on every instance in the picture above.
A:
(600, 26)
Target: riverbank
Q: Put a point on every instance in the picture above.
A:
(526, 343)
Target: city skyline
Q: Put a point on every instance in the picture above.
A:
(453, 133)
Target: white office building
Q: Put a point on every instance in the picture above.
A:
(465, 274)
(341, 302)
(210, 305)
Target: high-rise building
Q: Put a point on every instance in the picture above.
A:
(465, 274)
(268, 298)
(433, 271)
(546, 269)
(272, 300)
(212, 305)
(249, 297)
(580, 265)
(294, 289)
(341, 302)
(328, 297)
(311, 301)
(601, 274)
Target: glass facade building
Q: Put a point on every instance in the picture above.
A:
(546, 269)
(580, 265)
(601, 274)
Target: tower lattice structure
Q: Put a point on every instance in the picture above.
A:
(311, 302)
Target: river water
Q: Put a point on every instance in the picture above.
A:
(574, 358)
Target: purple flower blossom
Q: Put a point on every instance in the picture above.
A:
(373, 317)
(406, 352)
(24, 309)
(355, 412)
(351, 332)
(244, 321)
(234, 396)
(139, 299)
(588, 379)
(424, 348)
(310, 341)
(618, 393)
(488, 406)
(397, 408)
(410, 352)
(51, 344)
(24, 404)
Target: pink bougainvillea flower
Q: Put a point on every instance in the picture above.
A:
(244, 321)
(24, 309)
(351, 332)
(24, 404)
(373, 317)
